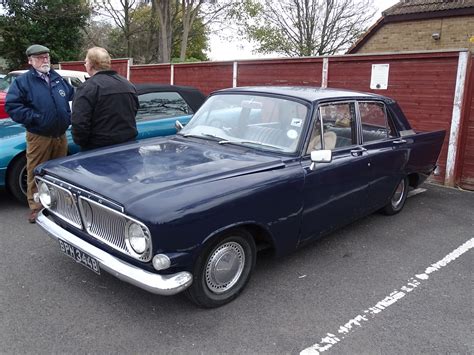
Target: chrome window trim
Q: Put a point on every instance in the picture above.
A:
(73, 198)
(123, 215)
(319, 118)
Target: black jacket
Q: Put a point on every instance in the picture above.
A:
(103, 111)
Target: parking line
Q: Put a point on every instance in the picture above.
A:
(345, 330)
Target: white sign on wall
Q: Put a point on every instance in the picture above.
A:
(379, 78)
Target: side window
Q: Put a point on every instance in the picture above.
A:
(338, 127)
(157, 105)
(375, 125)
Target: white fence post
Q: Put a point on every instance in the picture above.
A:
(324, 74)
(172, 74)
(456, 119)
(234, 75)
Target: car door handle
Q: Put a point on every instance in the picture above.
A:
(399, 141)
(358, 151)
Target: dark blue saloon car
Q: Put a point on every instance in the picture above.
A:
(255, 168)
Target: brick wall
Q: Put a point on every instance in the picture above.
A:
(455, 32)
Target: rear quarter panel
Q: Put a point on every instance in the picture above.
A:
(424, 152)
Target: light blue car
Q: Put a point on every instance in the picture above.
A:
(160, 107)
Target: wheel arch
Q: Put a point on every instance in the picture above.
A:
(10, 165)
(413, 180)
(261, 235)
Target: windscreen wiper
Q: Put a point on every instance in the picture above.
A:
(203, 135)
(251, 143)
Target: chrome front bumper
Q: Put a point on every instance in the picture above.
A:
(154, 283)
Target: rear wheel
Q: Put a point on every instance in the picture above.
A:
(17, 179)
(223, 270)
(397, 201)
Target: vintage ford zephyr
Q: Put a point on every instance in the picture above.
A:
(261, 167)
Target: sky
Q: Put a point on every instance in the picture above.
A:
(224, 50)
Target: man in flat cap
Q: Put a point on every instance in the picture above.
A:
(39, 99)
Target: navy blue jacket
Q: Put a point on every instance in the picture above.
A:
(43, 109)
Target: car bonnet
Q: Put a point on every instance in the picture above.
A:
(11, 129)
(128, 172)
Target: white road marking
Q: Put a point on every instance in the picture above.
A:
(416, 191)
(345, 330)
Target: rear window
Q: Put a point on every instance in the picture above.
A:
(375, 124)
(156, 105)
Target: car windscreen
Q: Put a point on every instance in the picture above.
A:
(263, 122)
(6, 81)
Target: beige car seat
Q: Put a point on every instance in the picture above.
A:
(329, 141)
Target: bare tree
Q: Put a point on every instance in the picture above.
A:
(169, 24)
(189, 9)
(122, 14)
(307, 27)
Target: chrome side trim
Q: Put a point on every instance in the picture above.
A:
(154, 283)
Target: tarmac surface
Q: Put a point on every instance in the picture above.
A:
(383, 285)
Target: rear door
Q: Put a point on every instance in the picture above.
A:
(388, 153)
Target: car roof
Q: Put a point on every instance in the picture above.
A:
(308, 93)
(193, 97)
(66, 73)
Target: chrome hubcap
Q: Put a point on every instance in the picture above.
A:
(225, 267)
(398, 195)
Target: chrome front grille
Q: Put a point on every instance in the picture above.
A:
(99, 221)
(65, 206)
(103, 223)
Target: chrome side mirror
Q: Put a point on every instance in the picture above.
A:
(320, 156)
(178, 125)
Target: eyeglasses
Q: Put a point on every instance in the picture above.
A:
(41, 57)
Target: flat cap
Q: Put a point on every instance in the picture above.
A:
(36, 49)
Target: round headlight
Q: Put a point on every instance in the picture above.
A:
(137, 239)
(45, 195)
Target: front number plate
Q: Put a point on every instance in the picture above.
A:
(79, 256)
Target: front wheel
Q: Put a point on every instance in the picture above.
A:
(397, 201)
(223, 270)
(17, 180)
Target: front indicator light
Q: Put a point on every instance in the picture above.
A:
(161, 262)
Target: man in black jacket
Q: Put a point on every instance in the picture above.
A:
(104, 107)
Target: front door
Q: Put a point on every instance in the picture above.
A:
(335, 193)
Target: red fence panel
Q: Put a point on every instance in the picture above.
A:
(300, 71)
(206, 76)
(79, 65)
(119, 65)
(151, 73)
(423, 85)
